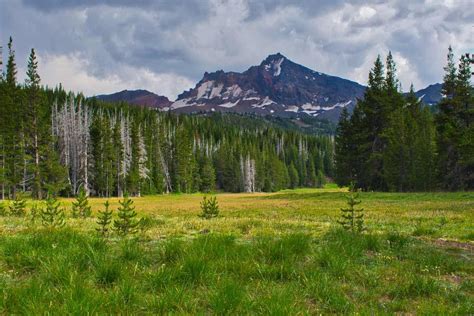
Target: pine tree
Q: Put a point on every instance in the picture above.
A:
(3, 209)
(294, 178)
(52, 216)
(311, 177)
(209, 208)
(12, 126)
(344, 150)
(81, 208)
(454, 126)
(321, 180)
(34, 121)
(126, 223)
(465, 116)
(352, 219)
(34, 213)
(11, 66)
(104, 220)
(18, 206)
(449, 79)
(207, 176)
(421, 146)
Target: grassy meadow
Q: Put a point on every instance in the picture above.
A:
(267, 253)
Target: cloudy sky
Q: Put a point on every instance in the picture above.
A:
(103, 46)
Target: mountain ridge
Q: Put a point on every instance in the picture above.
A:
(276, 87)
(138, 97)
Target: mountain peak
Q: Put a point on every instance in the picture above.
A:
(274, 57)
(277, 87)
(273, 64)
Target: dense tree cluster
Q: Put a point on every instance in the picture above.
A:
(394, 142)
(57, 142)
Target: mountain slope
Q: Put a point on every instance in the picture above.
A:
(277, 87)
(137, 97)
(430, 95)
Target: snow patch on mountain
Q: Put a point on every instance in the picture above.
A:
(267, 101)
(181, 104)
(204, 89)
(216, 91)
(292, 108)
(229, 104)
(338, 105)
(309, 106)
(277, 67)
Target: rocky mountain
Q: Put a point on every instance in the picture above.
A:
(138, 97)
(430, 95)
(277, 87)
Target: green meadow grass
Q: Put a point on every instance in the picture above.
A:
(278, 253)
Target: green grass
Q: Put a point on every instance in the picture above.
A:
(64, 271)
(278, 253)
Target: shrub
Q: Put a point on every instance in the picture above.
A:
(209, 208)
(126, 223)
(18, 206)
(52, 216)
(81, 208)
(352, 219)
(104, 219)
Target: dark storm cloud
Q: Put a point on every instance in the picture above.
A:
(166, 45)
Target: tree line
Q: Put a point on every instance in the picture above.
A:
(54, 142)
(393, 142)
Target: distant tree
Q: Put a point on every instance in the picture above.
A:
(294, 177)
(344, 150)
(34, 122)
(207, 176)
(454, 126)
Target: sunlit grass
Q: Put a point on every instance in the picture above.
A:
(266, 253)
(313, 211)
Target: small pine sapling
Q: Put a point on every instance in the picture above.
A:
(104, 219)
(34, 213)
(18, 206)
(352, 219)
(81, 208)
(209, 208)
(3, 209)
(52, 216)
(126, 222)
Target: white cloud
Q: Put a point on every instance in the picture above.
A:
(158, 45)
(72, 72)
